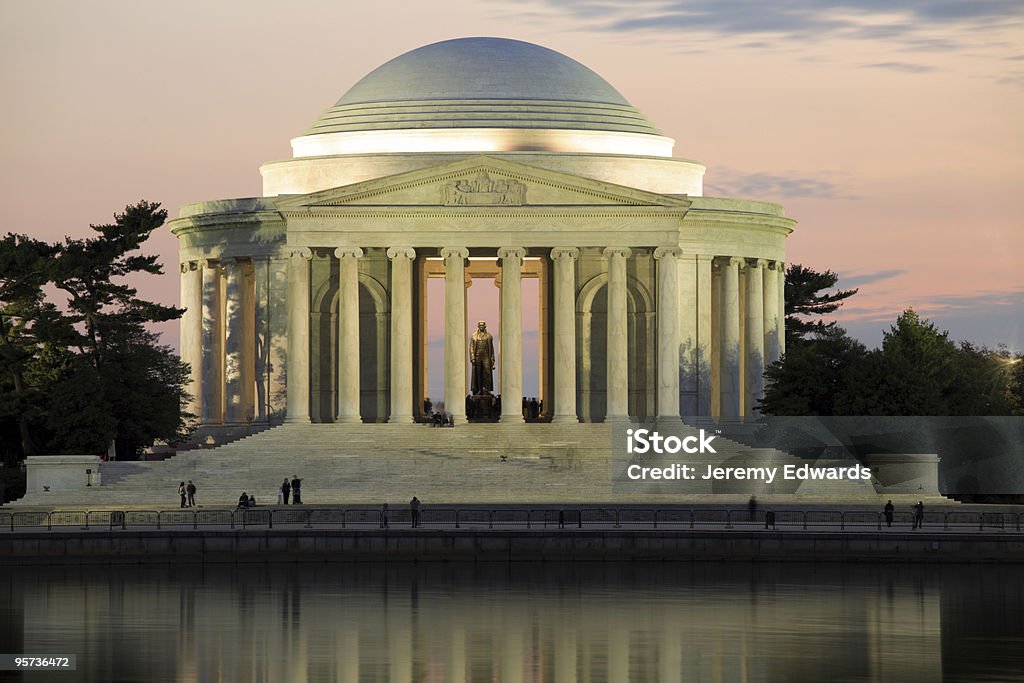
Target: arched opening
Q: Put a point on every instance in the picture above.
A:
(592, 349)
(374, 365)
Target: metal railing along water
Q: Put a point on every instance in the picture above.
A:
(439, 517)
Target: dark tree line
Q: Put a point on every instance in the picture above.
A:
(917, 371)
(78, 367)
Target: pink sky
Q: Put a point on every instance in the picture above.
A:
(893, 137)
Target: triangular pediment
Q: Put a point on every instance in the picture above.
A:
(481, 182)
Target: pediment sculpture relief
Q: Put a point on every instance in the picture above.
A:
(482, 190)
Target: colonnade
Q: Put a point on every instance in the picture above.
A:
(721, 313)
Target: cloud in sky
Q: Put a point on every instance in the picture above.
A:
(987, 319)
(851, 281)
(768, 186)
(908, 21)
(902, 66)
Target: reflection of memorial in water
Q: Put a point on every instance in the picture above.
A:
(561, 622)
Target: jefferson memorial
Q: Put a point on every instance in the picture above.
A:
(480, 158)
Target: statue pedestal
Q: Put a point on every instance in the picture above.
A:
(483, 408)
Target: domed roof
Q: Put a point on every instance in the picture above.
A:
(482, 83)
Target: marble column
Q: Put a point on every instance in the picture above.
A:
(455, 339)
(237, 339)
(277, 337)
(704, 341)
(511, 333)
(668, 333)
(564, 259)
(261, 337)
(213, 345)
(729, 356)
(297, 361)
(754, 327)
(618, 334)
(780, 277)
(771, 314)
(192, 330)
(348, 334)
(401, 334)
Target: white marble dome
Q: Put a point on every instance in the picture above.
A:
(482, 83)
(482, 95)
(470, 96)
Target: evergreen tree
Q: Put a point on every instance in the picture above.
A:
(807, 297)
(91, 373)
(813, 374)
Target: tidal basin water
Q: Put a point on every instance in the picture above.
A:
(529, 622)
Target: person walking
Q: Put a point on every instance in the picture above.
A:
(919, 515)
(296, 490)
(414, 507)
(182, 493)
(384, 516)
(191, 491)
(286, 489)
(889, 510)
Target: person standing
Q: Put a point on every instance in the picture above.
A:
(752, 507)
(286, 489)
(191, 491)
(889, 510)
(182, 493)
(296, 490)
(414, 507)
(384, 516)
(919, 515)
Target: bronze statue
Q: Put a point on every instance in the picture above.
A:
(481, 356)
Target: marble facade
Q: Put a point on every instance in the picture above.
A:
(308, 304)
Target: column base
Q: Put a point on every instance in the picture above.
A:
(616, 418)
(668, 421)
(401, 420)
(513, 419)
(565, 419)
(297, 419)
(348, 420)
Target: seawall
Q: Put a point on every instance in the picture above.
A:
(474, 545)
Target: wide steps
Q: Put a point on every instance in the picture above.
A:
(370, 463)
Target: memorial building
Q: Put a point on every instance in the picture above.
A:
(480, 158)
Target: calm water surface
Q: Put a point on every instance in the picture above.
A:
(539, 622)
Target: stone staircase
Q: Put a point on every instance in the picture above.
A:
(372, 463)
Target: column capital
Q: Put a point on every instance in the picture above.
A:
(617, 252)
(454, 252)
(671, 252)
(779, 266)
(300, 252)
(187, 266)
(401, 252)
(348, 252)
(568, 253)
(758, 263)
(730, 261)
(512, 253)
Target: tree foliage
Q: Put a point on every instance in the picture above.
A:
(813, 375)
(808, 297)
(917, 371)
(79, 367)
